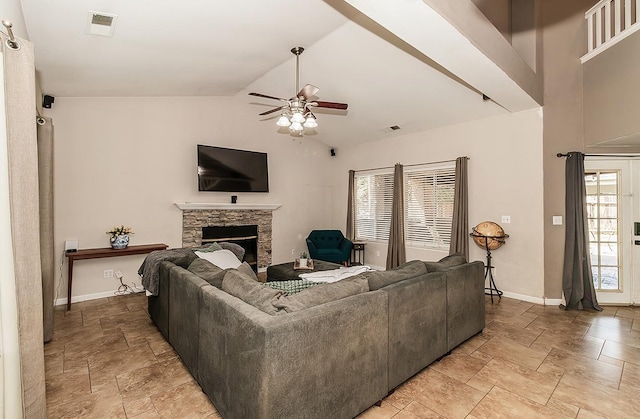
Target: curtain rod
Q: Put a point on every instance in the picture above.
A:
(602, 155)
(410, 165)
(11, 42)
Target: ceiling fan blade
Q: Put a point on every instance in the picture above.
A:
(332, 105)
(273, 110)
(267, 96)
(307, 91)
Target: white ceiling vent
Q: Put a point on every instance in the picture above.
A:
(101, 24)
(390, 129)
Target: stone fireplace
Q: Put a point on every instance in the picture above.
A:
(196, 217)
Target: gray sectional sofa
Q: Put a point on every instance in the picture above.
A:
(332, 350)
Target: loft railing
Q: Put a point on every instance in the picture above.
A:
(610, 21)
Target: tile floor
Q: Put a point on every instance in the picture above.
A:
(108, 360)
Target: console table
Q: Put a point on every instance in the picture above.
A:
(106, 252)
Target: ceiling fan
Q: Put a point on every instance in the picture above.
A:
(296, 113)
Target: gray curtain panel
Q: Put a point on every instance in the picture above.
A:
(396, 254)
(460, 221)
(47, 259)
(351, 225)
(577, 278)
(22, 153)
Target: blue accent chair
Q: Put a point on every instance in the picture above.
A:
(330, 246)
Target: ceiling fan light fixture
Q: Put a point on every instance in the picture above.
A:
(296, 127)
(310, 122)
(297, 117)
(283, 121)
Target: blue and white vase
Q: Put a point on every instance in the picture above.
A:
(120, 242)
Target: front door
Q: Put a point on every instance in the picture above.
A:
(610, 213)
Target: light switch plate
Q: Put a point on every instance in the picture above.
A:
(557, 220)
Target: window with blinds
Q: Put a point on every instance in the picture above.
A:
(429, 192)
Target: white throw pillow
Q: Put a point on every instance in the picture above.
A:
(223, 259)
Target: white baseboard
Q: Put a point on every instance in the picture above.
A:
(86, 297)
(536, 300)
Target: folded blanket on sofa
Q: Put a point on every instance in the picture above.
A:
(335, 274)
(149, 270)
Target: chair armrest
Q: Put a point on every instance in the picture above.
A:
(313, 251)
(345, 246)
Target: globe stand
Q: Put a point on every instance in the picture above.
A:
(488, 270)
(488, 273)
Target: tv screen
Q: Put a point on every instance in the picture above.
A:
(229, 170)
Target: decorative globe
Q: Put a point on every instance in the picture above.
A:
(491, 232)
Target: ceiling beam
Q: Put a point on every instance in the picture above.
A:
(488, 63)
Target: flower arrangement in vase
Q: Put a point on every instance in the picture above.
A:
(120, 236)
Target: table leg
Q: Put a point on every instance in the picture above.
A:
(69, 280)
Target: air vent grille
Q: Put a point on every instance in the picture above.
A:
(101, 24)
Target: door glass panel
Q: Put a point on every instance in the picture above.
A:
(603, 192)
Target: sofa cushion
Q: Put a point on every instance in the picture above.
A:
(322, 293)
(207, 271)
(446, 262)
(250, 291)
(246, 269)
(380, 279)
(212, 247)
(221, 258)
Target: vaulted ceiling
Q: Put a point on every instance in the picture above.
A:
(355, 52)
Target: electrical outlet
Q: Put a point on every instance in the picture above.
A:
(506, 219)
(108, 273)
(118, 273)
(293, 251)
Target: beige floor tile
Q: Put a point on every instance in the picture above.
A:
(54, 364)
(526, 382)
(134, 407)
(417, 411)
(186, 401)
(628, 312)
(597, 398)
(500, 403)
(589, 347)
(622, 352)
(516, 333)
(90, 406)
(562, 407)
(588, 369)
(630, 378)
(77, 354)
(152, 379)
(385, 411)
(444, 395)
(510, 350)
(104, 368)
(620, 323)
(631, 338)
(398, 399)
(66, 386)
(585, 414)
(459, 366)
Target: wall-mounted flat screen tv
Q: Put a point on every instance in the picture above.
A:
(229, 170)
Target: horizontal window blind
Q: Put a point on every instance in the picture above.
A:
(429, 192)
(429, 196)
(374, 196)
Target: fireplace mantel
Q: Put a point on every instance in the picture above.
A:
(226, 206)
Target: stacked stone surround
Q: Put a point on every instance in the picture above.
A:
(194, 220)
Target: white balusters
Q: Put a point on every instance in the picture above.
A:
(608, 22)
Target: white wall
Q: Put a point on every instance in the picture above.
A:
(505, 178)
(128, 160)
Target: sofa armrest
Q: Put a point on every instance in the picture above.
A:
(465, 302)
(325, 361)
